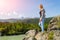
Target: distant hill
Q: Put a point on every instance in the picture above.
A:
(9, 20)
(26, 20)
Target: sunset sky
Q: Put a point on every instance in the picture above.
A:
(28, 8)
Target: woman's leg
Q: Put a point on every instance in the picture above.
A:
(42, 25)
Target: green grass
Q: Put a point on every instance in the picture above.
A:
(18, 37)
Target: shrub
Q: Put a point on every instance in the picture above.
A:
(50, 36)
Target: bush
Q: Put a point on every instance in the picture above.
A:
(50, 36)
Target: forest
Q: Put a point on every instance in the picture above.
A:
(20, 27)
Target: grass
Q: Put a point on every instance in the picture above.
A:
(18, 37)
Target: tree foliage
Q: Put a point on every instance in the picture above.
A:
(20, 27)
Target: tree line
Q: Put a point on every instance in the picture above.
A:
(16, 28)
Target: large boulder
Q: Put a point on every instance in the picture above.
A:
(30, 35)
(41, 36)
(54, 24)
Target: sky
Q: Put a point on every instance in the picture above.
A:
(28, 8)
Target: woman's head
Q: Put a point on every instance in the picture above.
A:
(41, 6)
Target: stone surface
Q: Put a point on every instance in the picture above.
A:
(53, 32)
(53, 24)
(56, 35)
(30, 35)
(42, 35)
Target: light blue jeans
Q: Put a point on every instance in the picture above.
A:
(41, 24)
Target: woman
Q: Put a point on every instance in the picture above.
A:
(42, 17)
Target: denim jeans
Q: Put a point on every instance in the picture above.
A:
(41, 24)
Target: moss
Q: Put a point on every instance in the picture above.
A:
(50, 36)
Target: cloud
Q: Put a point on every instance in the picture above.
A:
(9, 15)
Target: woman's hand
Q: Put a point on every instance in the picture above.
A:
(40, 19)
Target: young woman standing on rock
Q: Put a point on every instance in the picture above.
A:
(42, 17)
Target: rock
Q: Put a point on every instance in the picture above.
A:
(56, 35)
(53, 24)
(30, 35)
(41, 36)
(51, 35)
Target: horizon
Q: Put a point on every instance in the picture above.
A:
(24, 18)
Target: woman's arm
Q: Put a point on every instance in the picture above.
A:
(40, 19)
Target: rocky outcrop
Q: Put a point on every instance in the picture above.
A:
(52, 33)
(54, 24)
(41, 36)
(56, 35)
(30, 35)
